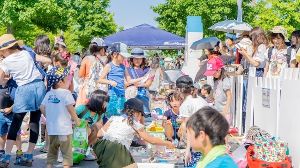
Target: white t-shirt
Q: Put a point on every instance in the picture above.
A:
(119, 130)
(191, 105)
(21, 67)
(58, 120)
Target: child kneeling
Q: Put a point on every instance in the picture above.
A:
(112, 149)
(58, 108)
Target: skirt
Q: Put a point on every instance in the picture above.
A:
(29, 97)
(112, 154)
(115, 105)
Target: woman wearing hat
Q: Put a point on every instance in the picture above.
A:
(19, 65)
(277, 55)
(90, 70)
(139, 69)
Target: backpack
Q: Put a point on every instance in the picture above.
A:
(95, 72)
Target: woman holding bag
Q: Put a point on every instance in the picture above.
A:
(139, 69)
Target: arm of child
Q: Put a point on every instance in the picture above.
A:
(153, 140)
(226, 109)
(102, 131)
(43, 110)
(2, 77)
(8, 110)
(43, 59)
(73, 114)
(129, 80)
(82, 69)
(102, 78)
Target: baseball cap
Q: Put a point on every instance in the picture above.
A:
(135, 104)
(213, 65)
(99, 41)
(184, 82)
(55, 75)
(120, 48)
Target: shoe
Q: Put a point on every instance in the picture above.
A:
(44, 149)
(40, 144)
(4, 161)
(26, 160)
(89, 155)
(19, 155)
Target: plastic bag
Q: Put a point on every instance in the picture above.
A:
(80, 142)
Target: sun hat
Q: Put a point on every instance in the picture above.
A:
(281, 30)
(137, 53)
(99, 41)
(120, 48)
(8, 40)
(213, 65)
(135, 104)
(55, 75)
(184, 82)
(60, 41)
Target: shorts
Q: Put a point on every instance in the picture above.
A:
(64, 143)
(5, 122)
(115, 105)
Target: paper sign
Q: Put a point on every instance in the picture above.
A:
(266, 97)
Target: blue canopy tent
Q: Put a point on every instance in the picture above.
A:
(147, 37)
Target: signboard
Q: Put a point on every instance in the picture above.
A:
(266, 97)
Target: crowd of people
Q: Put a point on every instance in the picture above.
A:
(110, 89)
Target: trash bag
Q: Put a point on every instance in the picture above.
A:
(80, 142)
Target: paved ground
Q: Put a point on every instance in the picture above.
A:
(40, 161)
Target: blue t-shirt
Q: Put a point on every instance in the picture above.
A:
(117, 74)
(91, 119)
(224, 161)
(173, 117)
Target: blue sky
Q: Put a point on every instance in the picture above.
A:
(130, 13)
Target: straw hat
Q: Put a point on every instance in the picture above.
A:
(8, 40)
(281, 30)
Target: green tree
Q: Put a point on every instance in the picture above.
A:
(79, 20)
(173, 14)
(264, 13)
(270, 13)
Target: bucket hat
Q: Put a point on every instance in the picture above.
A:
(8, 40)
(55, 75)
(137, 53)
(281, 30)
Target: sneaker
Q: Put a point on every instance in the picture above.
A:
(26, 160)
(4, 161)
(44, 149)
(19, 155)
(89, 155)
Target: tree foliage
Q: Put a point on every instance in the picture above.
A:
(265, 13)
(78, 20)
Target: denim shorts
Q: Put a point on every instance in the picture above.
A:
(5, 122)
(29, 97)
